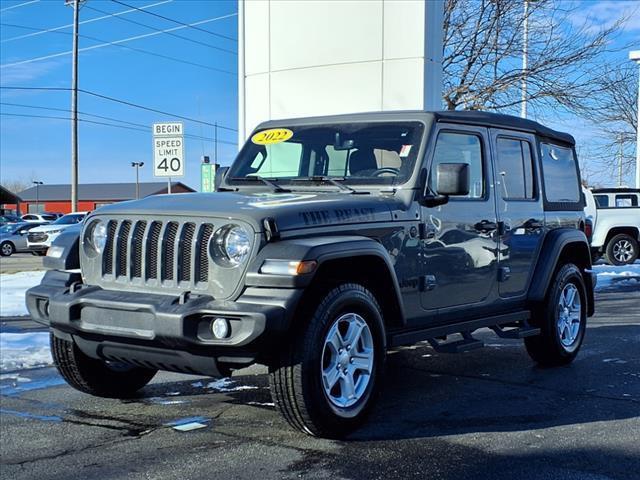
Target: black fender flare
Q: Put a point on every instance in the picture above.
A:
(555, 242)
(322, 250)
(69, 256)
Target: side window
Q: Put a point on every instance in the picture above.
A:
(282, 160)
(515, 169)
(29, 217)
(602, 201)
(460, 147)
(626, 201)
(561, 183)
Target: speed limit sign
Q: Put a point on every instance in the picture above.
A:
(168, 150)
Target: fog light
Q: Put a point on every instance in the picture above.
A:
(220, 328)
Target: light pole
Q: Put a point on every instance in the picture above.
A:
(137, 166)
(635, 56)
(37, 184)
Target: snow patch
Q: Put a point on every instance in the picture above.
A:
(12, 290)
(24, 350)
(611, 276)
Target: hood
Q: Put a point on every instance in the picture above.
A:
(50, 228)
(290, 210)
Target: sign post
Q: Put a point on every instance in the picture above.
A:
(207, 175)
(168, 151)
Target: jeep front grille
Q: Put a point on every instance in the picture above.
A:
(155, 252)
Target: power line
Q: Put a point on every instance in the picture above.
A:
(135, 49)
(18, 5)
(125, 102)
(118, 42)
(131, 104)
(179, 22)
(124, 12)
(33, 88)
(38, 107)
(145, 130)
(168, 33)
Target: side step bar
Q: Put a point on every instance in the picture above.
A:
(467, 327)
(464, 345)
(521, 332)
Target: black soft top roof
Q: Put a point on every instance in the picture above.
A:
(467, 117)
(502, 121)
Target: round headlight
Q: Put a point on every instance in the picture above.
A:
(97, 235)
(230, 245)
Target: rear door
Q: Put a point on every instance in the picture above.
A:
(520, 209)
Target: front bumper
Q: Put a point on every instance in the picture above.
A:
(161, 331)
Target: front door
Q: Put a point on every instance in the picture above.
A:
(520, 209)
(459, 246)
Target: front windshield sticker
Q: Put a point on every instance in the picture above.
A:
(271, 136)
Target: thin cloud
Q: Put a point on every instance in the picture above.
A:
(604, 14)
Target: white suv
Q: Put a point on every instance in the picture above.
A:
(615, 215)
(39, 239)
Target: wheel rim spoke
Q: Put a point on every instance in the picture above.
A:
(330, 377)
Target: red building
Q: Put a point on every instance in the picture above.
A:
(57, 198)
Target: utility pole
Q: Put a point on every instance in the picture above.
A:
(525, 59)
(74, 106)
(635, 56)
(137, 166)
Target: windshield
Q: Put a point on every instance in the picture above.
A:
(69, 219)
(358, 153)
(9, 228)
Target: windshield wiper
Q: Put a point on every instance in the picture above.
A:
(271, 183)
(332, 181)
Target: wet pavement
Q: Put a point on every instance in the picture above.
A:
(489, 413)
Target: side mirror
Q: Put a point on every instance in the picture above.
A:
(452, 179)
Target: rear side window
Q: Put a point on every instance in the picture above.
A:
(626, 201)
(602, 201)
(515, 169)
(461, 148)
(561, 183)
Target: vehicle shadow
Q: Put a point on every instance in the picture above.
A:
(496, 389)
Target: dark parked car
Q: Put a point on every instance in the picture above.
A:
(329, 241)
(4, 219)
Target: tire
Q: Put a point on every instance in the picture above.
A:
(298, 379)
(96, 377)
(40, 253)
(622, 250)
(7, 249)
(562, 330)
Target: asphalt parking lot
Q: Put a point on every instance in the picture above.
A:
(483, 414)
(20, 262)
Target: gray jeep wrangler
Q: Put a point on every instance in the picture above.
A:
(329, 241)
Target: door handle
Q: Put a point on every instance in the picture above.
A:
(532, 223)
(486, 226)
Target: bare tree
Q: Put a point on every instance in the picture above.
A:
(482, 61)
(17, 185)
(614, 113)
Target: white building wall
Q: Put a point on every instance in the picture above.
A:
(319, 57)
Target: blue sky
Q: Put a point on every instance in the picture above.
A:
(40, 148)
(37, 148)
